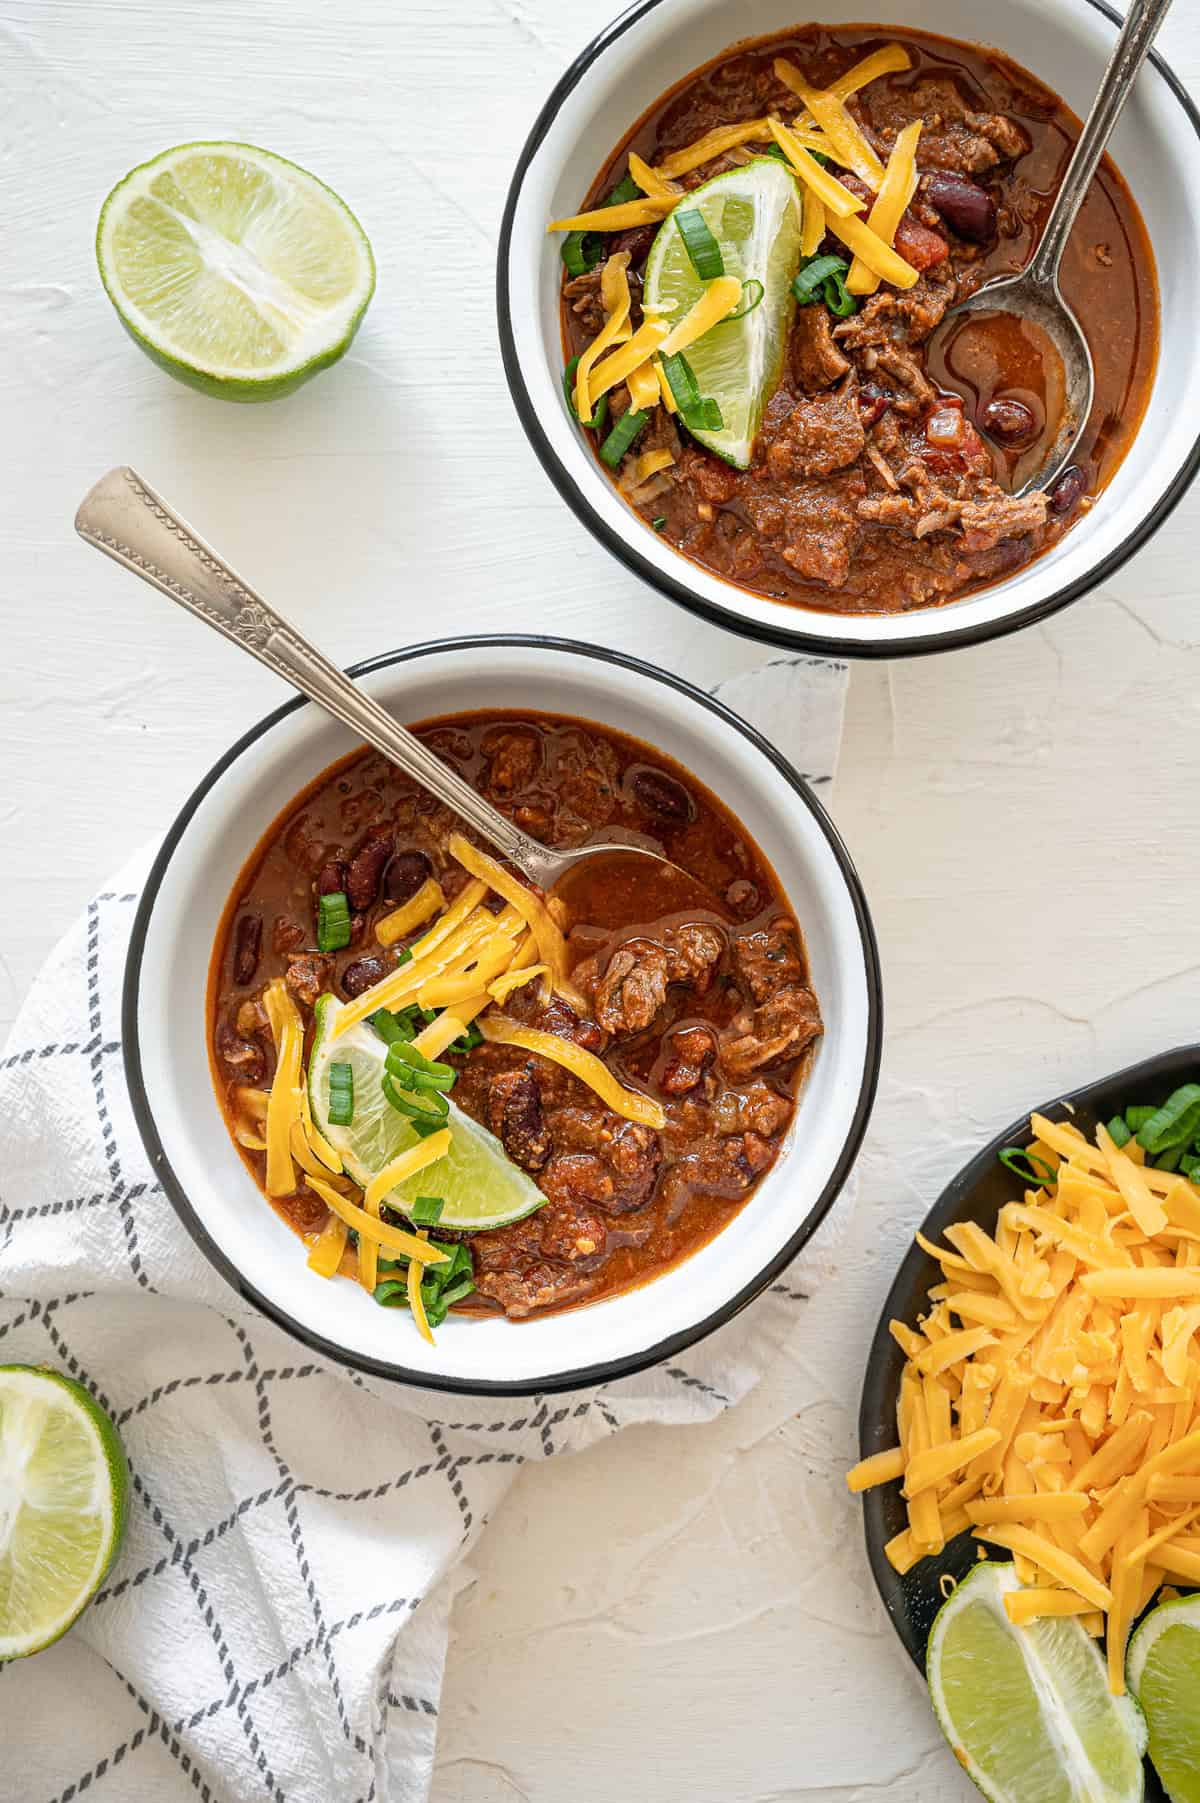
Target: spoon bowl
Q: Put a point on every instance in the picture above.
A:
(1033, 294)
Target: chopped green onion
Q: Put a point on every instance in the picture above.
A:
(1118, 1132)
(426, 1211)
(333, 922)
(426, 1074)
(341, 1094)
(1136, 1117)
(626, 189)
(1169, 1161)
(1028, 1167)
(697, 413)
(582, 251)
(403, 956)
(391, 1294)
(773, 150)
(424, 1108)
(627, 430)
(698, 241)
(1189, 1164)
(599, 417)
(824, 277)
(1175, 1123)
(458, 1292)
(659, 521)
(752, 293)
(390, 1027)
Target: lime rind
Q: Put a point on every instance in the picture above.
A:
(754, 213)
(235, 270)
(1162, 1669)
(1027, 1710)
(480, 1186)
(64, 1487)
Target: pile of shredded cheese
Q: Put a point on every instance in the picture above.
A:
(466, 961)
(1050, 1399)
(826, 126)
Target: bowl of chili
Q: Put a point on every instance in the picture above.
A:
(239, 928)
(858, 494)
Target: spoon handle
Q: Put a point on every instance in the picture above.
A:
(124, 517)
(1129, 53)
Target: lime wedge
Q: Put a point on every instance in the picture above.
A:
(1028, 1711)
(1163, 1672)
(477, 1181)
(754, 214)
(63, 1490)
(235, 270)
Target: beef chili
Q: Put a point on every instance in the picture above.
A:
(699, 1019)
(869, 486)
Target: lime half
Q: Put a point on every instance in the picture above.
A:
(477, 1181)
(1028, 1710)
(1163, 1670)
(64, 1485)
(754, 214)
(235, 270)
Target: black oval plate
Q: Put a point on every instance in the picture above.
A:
(977, 1193)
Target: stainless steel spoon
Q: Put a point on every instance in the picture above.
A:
(1034, 294)
(126, 519)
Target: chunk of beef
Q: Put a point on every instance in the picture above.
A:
(812, 524)
(907, 317)
(817, 363)
(557, 1016)
(637, 241)
(614, 1166)
(986, 522)
(691, 1050)
(755, 1109)
(245, 1059)
(633, 1156)
(814, 437)
(780, 1028)
(514, 760)
(633, 988)
(514, 1109)
(904, 367)
(306, 977)
(955, 137)
(711, 479)
(768, 960)
(513, 1267)
(287, 935)
(251, 1019)
(723, 1167)
(582, 294)
(693, 950)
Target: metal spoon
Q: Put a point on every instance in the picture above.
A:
(1034, 294)
(126, 519)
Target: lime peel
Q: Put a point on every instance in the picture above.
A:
(1163, 1671)
(64, 1488)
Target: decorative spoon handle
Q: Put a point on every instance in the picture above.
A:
(124, 517)
(1130, 52)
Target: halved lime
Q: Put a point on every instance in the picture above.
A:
(64, 1485)
(477, 1181)
(237, 271)
(1028, 1711)
(1163, 1672)
(754, 214)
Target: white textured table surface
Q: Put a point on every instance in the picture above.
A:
(681, 1612)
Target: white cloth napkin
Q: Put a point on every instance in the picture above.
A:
(278, 1618)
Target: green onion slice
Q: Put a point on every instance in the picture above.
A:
(333, 922)
(825, 278)
(1137, 1116)
(698, 241)
(626, 189)
(582, 251)
(1189, 1164)
(1028, 1167)
(390, 1027)
(698, 413)
(624, 434)
(403, 1056)
(341, 1094)
(1118, 1132)
(1175, 1123)
(659, 521)
(752, 293)
(426, 1211)
(426, 1109)
(599, 417)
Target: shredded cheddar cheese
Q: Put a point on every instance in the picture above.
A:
(283, 1103)
(327, 1249)
(630, 1103)
(367, 1226)
(552, 947)
(404, 920)
(895, 190)
(847, 144)
(719, 298)
(1050, 1397)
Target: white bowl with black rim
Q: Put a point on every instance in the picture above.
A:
(655, 44)
(166, 1039)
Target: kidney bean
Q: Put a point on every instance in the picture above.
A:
(331, 878)
(366, 870)
(247, 948)
(364, 973)
(968, 209)
(1010, 423)
(1069, 490)
(405, 874)
(742, 896)
(661, 794)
